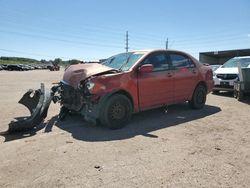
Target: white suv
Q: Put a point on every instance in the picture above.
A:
(225, 76)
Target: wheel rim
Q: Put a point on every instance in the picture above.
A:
(117, 111)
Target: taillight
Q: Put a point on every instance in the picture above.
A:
(209, 75)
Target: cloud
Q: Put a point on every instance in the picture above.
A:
(248, 35)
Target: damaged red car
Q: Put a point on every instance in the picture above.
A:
(125, 84)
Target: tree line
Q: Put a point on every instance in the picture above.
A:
(56, 61)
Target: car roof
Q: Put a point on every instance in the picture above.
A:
(156, 50)
(148, 51)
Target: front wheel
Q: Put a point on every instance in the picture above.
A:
(116, 111)
(199, 97)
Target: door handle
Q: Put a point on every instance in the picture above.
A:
(170, 75)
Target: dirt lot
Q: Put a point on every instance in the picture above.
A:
(181, 148)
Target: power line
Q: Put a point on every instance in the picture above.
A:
(199, 38)
(126, 47)
(60, 40)
(27, 53)
(119, 32)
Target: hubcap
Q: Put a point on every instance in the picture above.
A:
(117, 111)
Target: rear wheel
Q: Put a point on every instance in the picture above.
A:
(235, 94)
(199, 97)
(240, 95)
(116, 111)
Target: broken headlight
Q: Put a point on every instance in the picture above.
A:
(90, 85)
(93, 87)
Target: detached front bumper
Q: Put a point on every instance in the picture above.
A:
(37, 101)
(71, 100)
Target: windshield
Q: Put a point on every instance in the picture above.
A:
(123, 61)
(243, 62)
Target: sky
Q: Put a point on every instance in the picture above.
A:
(95, 29)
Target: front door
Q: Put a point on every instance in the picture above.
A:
(156, 88)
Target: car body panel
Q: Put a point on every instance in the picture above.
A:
(155, 89)
(185, 80)
(76, 73)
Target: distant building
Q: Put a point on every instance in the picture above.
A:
(220, 57)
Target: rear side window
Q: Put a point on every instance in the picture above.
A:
(158, 60)
(181, 61)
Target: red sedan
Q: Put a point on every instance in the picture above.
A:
(131, 82)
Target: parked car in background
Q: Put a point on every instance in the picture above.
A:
(29, 67)
(15, 68)
(215, 67)
(225, 76)
(37, 67)
(1, 68)
(24, 67)
(4, 66)
(53, 67)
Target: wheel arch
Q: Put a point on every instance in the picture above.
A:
(125, 93)
(203, 83)
(121, 92)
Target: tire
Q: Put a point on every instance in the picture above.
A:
(235, 94)
(116, 111)
(199, 97)
(240, 96)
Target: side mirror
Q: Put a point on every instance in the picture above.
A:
(146, 68)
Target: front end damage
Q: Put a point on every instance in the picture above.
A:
(72, 93)
(79, 101)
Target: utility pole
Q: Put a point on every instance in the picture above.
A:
(126, 47)
(167, 43)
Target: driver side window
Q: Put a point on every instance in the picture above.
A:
(158, 60)
(181, 61)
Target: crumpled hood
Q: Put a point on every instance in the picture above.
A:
(76, 73)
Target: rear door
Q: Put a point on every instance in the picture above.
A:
(185, 75)
(156, 88)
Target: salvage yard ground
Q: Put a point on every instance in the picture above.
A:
(180, 148)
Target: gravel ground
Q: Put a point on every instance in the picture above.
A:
(180, 148)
